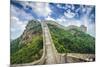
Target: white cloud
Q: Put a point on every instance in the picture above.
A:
(77, 10)
(67, 6)
(49, 18)
(61, 20)
(59, 6)
(40, 9)
(17, 26)
(69, 14)
(20, 13)
(83, 9)
(73, 7)
(63, 7)
(66, 22)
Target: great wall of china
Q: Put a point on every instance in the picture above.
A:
(51, 56)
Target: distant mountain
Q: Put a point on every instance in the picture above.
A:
(28, 47)
(81, 28)
(72, 39)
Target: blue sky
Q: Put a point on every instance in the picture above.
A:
(64, 14)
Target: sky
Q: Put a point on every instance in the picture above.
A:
(64, 14)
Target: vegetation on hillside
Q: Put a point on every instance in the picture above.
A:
(73, 40)
(29, 46)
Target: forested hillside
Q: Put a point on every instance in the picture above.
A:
(71, 40)
(28, 47)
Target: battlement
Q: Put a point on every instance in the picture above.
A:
(83, 28)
